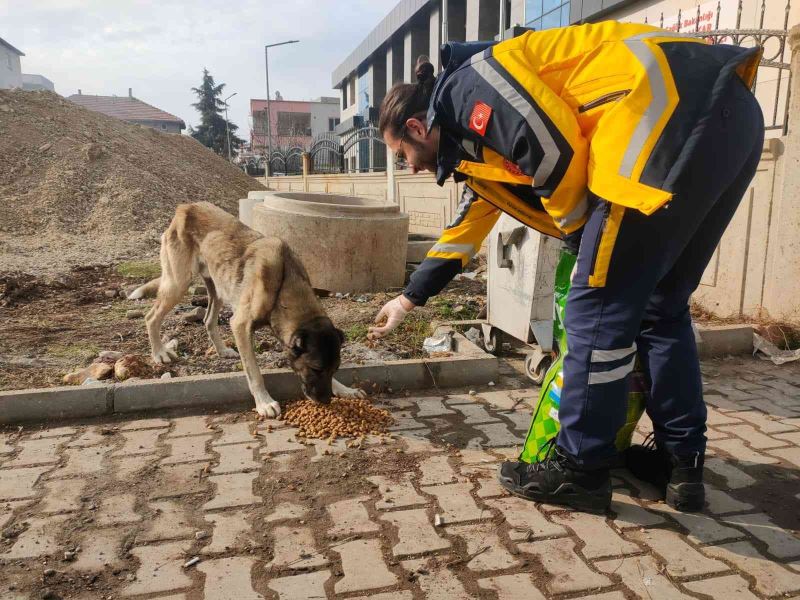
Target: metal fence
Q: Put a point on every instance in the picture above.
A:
(774, 75)
(361, 150)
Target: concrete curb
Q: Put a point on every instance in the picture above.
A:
(725, 340)
(470, 366)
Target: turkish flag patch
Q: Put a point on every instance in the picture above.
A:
(479, 119)
(511, 167)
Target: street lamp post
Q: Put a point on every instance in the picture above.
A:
(269, 114)
(227, 127)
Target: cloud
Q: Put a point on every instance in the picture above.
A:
(159, 48)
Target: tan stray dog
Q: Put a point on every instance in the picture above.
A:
(264, 282)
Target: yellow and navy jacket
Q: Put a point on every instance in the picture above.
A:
(535, 124)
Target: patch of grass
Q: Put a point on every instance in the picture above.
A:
(413, 331)
(446, 309)
(73, 351)
(139, 269)
(356, 332)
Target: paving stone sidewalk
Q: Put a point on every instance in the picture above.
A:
(116, 508)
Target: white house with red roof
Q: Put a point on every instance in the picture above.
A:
(130, 109)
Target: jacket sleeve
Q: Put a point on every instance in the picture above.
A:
(498, 100)
(459, 242)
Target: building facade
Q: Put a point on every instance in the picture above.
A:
(10, 67)
(292, 123)
(414, 27)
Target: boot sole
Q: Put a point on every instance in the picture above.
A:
(567, 494)
(686, 497)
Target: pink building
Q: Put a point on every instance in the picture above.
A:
(293, 123)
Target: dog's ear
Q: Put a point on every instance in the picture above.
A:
(298, 343)
(341, 335)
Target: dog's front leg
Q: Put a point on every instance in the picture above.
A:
(340, 390)
(266, 405)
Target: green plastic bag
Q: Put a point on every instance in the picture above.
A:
(545, 424)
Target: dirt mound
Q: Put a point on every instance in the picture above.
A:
(79, 188)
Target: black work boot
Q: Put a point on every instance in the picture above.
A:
(558, 480)
(678, 478)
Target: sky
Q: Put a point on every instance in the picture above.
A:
(159, 48)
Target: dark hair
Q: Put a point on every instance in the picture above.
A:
(407, 100)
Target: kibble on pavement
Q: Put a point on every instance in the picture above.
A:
(343, 417)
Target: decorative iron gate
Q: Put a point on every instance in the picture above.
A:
(358, 151)
(774, 65)
(286, 161)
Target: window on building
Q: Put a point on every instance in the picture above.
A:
(294, 123)
(364, 93)
(344, 95)
(332, 123)
(546, 14)
(352, 91)
(163, 126)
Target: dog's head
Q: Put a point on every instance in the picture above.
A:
(314, 354)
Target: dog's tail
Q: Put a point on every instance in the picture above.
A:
(148, 290)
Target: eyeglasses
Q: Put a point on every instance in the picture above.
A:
(401, 162)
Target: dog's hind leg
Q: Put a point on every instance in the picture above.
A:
(242, 327)
(176, 275)
(212, 321)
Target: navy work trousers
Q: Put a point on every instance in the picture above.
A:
(656, 264)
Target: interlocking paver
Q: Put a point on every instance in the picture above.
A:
(456, 503)
(415, 532)
(792, 437)
(520, 419)
(183, 426)
(489, 487)
(280, 463)
(643, 576)
(139, 442)
(235, 458)
(61, 495)
(144, 424)
(170, 522)
(765, 422)
(307, 585)
(507, 399)
(568, 573)
(401, 595)
(499, 434)
(720, 502)
(350, 516)
(91, 437)
(280, 440)
(363, 567)
(630, 513)
(35, 452)
(436, 469)
(54, 432)
(235, 433)
(7, 511)
(512, 586)
(99, 548)
(754, 438)
(715, 418)
(790, 455)
(437, 583)
(179, 480)
(228, 578)
(525, 520)
(734, 477)
(286, 510)
(159, 569)
(126, 470)
(233, 490)
(417, 441)
(702, 528)
(474, 413)
(599, 539)
(406, 423)
(81, 461)
(431, 407)
(117, 510)
(680, 558)
(485, 545)
(294, 548)
(395, 494)
(16, 484)
(187, 449)
(780, 542)
(742, 453)
(7, 446)
(38, 540)
(231, 531)
(771, 578)
(730, 587)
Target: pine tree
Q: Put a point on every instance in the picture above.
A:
(211, 130)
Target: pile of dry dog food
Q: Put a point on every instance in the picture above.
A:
(343, 417)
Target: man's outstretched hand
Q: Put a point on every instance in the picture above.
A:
(393, 312)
